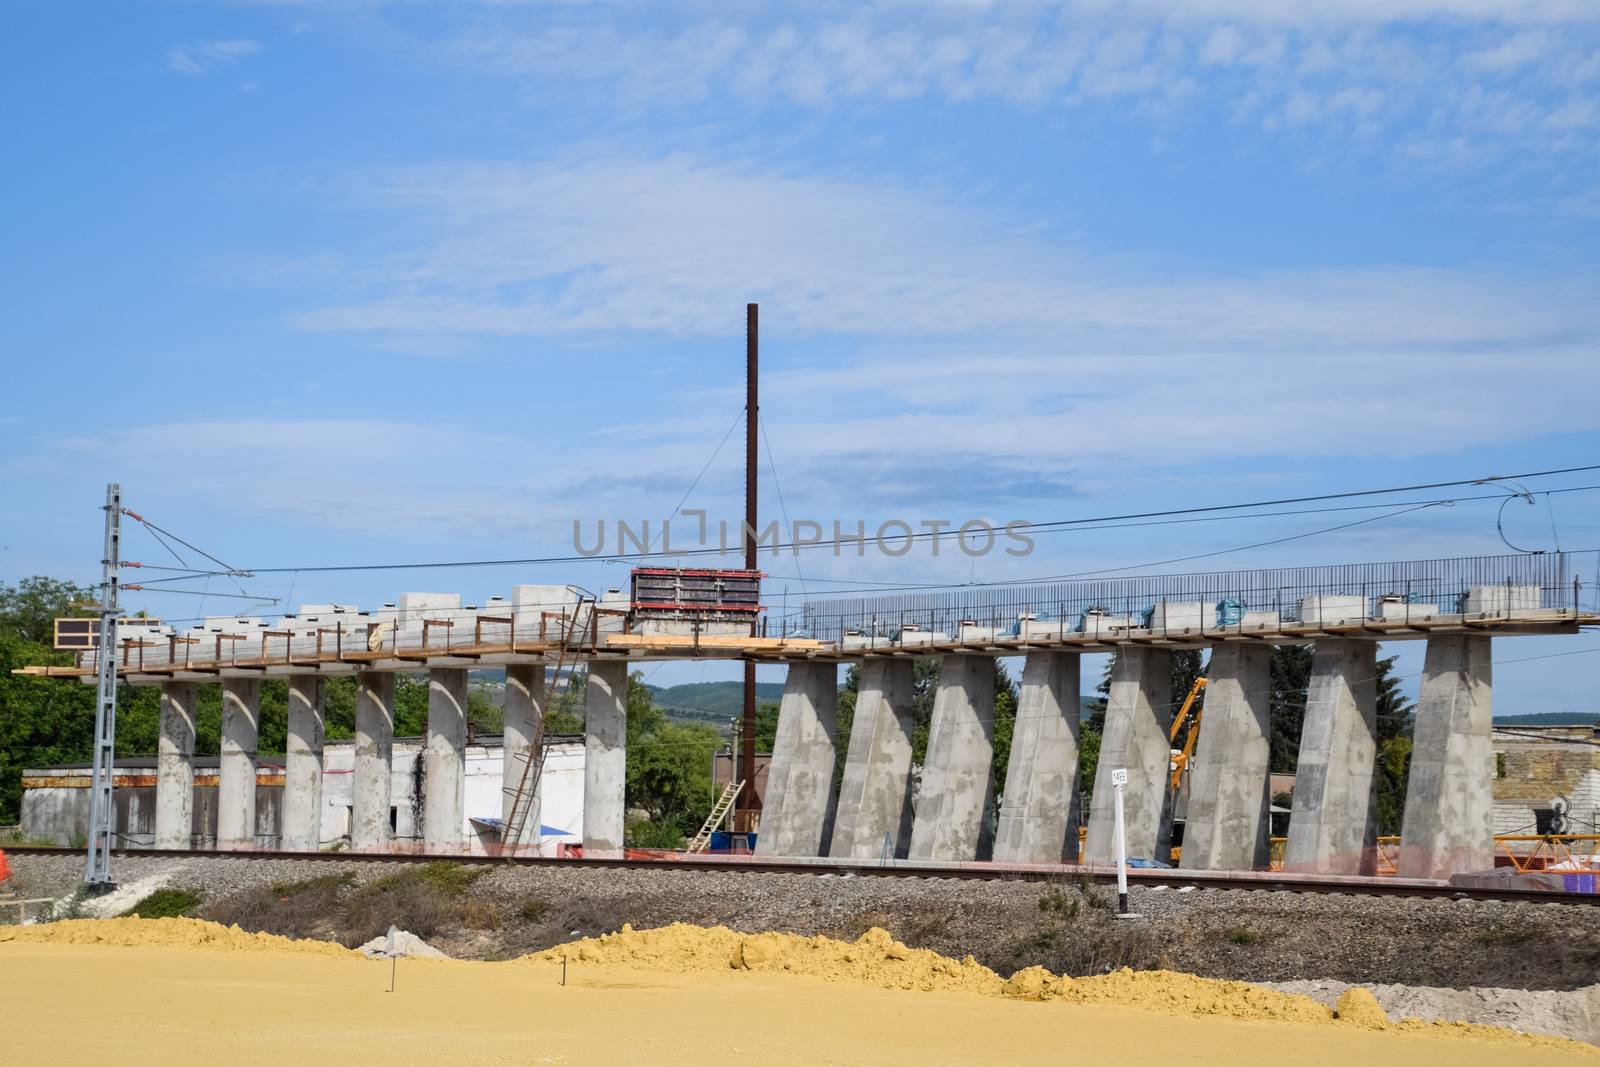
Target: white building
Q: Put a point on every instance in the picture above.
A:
(55, 800)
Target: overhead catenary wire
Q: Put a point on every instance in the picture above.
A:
(1032, 527)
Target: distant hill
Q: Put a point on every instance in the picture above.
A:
(716, 701)
(1549, 718)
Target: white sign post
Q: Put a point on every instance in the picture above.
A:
(1119, 778)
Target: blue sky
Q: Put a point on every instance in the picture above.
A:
(364, 282)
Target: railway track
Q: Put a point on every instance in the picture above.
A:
(1145, 877)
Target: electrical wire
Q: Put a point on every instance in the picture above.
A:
(772, 465)
(928, 535)
(714, 454)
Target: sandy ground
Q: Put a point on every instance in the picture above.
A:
(248, 1002)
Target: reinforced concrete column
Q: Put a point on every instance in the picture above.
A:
(1138, 721)
(302, 771)
(1332, 828)
(605, 748)
(800, 797)
(374, 751)
(1449, 820)
(236, 775)
(1039, 810)
(524, 716)
(1228, 827)
(175, 766)
(874, 811)
(957, 794)
(444, 762)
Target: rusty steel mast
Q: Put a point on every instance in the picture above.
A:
(748, 811)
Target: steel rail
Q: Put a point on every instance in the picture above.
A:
(1147, 877)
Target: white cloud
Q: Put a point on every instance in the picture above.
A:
(202, 57)
(1415, 69)
(658, 246)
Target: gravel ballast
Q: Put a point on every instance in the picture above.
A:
(1253, 935)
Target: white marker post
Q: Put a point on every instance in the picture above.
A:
(1119, 778)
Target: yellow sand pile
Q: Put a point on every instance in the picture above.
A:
(876, 958)
(166, 933)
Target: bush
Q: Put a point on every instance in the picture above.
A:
(533, 910)
(1240, 935)
(165, 904)
(306, 908)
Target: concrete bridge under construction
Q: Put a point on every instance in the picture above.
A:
(877, 806)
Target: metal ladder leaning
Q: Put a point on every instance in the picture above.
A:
(719, 811)
(527, 787)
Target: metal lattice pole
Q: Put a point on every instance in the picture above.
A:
(102, 811)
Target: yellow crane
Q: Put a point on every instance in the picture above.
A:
(1188, 714)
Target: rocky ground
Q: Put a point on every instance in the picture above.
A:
(490, 912)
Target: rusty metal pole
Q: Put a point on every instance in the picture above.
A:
(748, 805)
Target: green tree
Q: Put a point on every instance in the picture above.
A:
(1291, 680)
(669, 770)
(1396, 725)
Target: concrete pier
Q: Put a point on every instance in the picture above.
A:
(236, 778)
(302, 772)
(444, 762)
(605, 769)
(1449, 819)
(957, 794)
(1228, 828)
(370, 828)
(1039, 808)
(800, 798)
(524, 717)
(1138, 719)
(175, 766)
(1332, 830)
(875, 796)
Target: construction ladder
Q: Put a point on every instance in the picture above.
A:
(527, 787)
(719, 811)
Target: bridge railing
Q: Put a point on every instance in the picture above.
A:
(1487, 585)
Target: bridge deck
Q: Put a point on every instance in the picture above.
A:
(148, 663)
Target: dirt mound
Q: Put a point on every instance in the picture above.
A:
(1358, 1006)
(166, 933)
(876, 958)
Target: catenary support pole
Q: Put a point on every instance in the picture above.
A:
(102, 798)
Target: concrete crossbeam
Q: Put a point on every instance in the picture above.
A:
(1449, 818)
(1332, 830)
(798, 807)
(444, 762)
(605, 769)
(957, 794)
(1138, 720)
(302, 772)
(369, 810)
(175, 766)
(1039, 809)
(1228, 828)
(524, 726)
(236, 776)
(874, 814)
